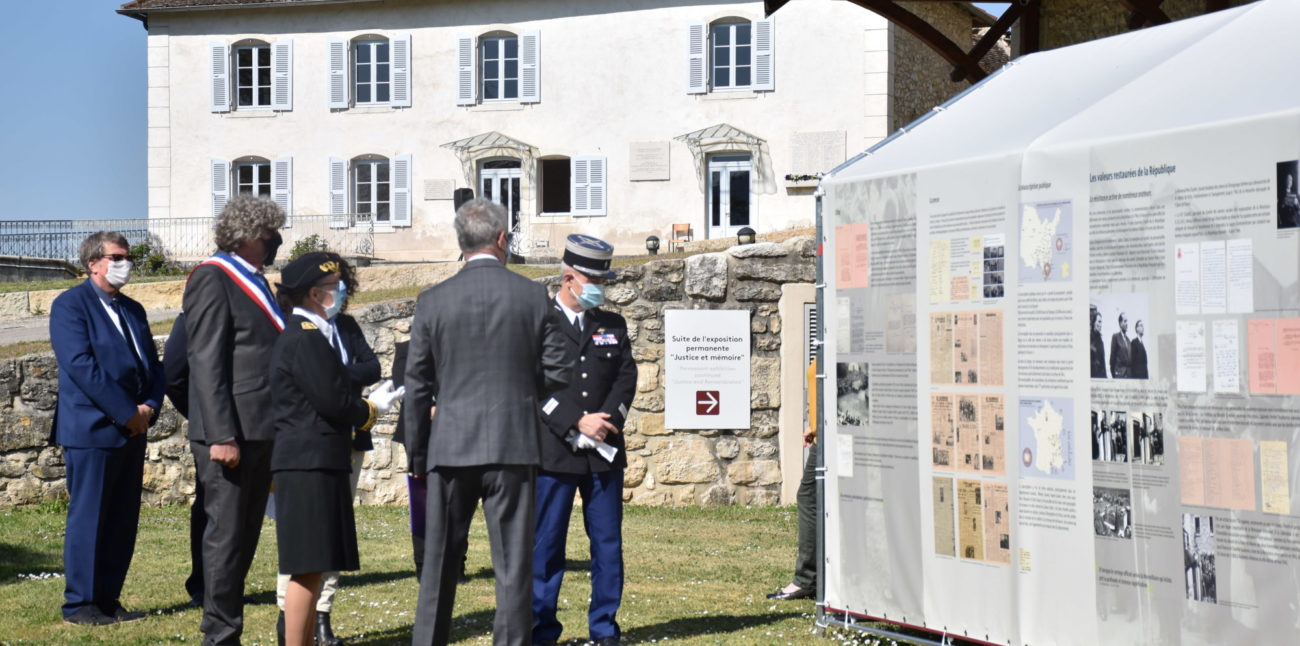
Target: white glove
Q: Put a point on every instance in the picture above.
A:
(385, 396)
(580, 441)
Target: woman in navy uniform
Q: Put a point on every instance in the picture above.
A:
(315, 409)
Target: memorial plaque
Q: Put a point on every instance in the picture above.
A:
(439, 189)
(648, 161)
(816, 152)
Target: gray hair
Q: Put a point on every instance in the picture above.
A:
(245, 218)
(92, 248)
(478, 222)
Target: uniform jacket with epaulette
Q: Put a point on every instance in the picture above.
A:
(314, 403)
(603, 380)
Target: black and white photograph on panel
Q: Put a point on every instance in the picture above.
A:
(1288, 199)
(1112, 512)
(1198, 558)
(1148, 438)
(1117, 330)
(852, 404)
(1110, 435)
(994, 265)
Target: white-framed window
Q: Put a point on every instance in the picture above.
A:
(369, 70)
(252, 175)
(499, 61)
(498, 67)
(375, 188)
(372, 189)
(251, 75)
(730, 54)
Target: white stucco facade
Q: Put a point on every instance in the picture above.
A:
(611, 75)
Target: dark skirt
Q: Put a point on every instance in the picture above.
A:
(314, 529)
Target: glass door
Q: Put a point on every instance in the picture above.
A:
(498, 180)
(729, 207)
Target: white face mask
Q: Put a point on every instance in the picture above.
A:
(118, 273)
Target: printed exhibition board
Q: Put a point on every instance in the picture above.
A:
(1066, 373)
(706, 369)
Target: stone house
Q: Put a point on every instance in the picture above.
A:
(613, 119)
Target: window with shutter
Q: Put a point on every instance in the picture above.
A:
(529, 68)
(219, 170)
(589, 185)
(282, 186)
(338, 193)
(499, 62)
(338, 73)
(401, 191)
(219, 68)
(696, 37)
(252, 76)
(465, 76)
(372, 70)
(401, 95)
(282, 75)
(764, 56)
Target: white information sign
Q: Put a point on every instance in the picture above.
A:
(706, 369)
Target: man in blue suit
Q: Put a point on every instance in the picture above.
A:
(110, 389)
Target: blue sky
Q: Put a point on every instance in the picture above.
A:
(74, 141)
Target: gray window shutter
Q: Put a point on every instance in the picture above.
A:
(282, 186)
(339, 193)
(578, 198)
(466, 78)
(697, 59)
(530, 90)
(282, 75)
(588, 194)
(400, 45)
(764, 57)
(219, 64)
(220, 170)
(338, 71)
(402, 190)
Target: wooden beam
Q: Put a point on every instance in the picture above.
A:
(1215, 5)
(990, 38)
(1030, 33)
(926, 33)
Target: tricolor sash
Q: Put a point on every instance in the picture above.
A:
(253, 285)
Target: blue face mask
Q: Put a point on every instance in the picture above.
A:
(591, 296)
(340, 299)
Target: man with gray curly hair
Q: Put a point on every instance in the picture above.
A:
(232, 321)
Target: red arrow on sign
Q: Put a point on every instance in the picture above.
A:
(706, 402)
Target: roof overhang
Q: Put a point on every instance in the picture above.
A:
(722, 134)
(140, 9)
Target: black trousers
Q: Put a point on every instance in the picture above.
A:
(508, 493)
(234, 501)
(805, 564)
(198, 524)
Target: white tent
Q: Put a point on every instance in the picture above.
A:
(1076, 293)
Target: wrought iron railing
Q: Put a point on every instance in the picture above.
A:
(182, 240)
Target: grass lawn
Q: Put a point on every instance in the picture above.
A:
(694, 576)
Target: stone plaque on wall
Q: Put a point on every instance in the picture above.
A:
(816, 152)
(439, 189)
(648, 161)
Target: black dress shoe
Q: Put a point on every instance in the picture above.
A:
(89, 616)
(608, 641)
(324, 635)
(782, 595)
(196, 601)
(122, 615)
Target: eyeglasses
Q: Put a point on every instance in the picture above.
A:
(118, 257)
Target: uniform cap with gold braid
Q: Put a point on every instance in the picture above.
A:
(308, 269)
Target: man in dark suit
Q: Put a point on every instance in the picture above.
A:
(111, 387)
(1120, 357)
(487, 347)
(1138, 350)
(582, 450)
(176, 364)
(231, 322)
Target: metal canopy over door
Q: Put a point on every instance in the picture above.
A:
(730, 203)
(499, 180)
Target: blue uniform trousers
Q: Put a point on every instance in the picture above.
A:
(103, 516)
(602, 497)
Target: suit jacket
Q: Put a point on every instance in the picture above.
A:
(362, 367)
(315, 404)
(1119, 356)
(1138, 365)
(100, 382)
(602, 380)
(487, 347)
(1098, 352)
(230, 341)
(177, 367)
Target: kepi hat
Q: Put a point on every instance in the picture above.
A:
(591, 256)
(307, 269)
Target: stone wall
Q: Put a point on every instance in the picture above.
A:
(1067, 22)
(920, 76)
(666, 467)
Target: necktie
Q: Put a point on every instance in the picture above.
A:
(577, 323)
(130, 338)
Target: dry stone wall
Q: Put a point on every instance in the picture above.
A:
(665, 466)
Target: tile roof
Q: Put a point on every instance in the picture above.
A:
(144, 6)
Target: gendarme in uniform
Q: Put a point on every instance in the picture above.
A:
(600, 392)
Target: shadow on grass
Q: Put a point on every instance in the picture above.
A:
(685, 627)
(20, 559)
(463, 627)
